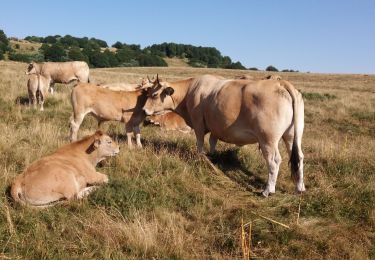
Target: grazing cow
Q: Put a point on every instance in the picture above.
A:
(61, 72)
(239, 112)
(273, 77)
(170, 121)
(66, 174)
(37, 86)
(107, 105)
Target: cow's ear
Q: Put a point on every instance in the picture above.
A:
(169, 91)
(157, 79)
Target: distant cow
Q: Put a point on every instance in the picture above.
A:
(37, 86)
(170, 121)
(239, 112)
(108, 105)
(61, 72)
(66, 174)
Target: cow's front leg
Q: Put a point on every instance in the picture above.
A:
(199, 134)
(129, 132)
(96, 178)
(137, 133)
(213, 142)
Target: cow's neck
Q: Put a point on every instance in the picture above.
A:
(180, 90)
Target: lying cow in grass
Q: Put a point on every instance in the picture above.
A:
(170, 121)
(108, 105)
(239, 112)
(60, 72)
(66, 174)
(37, 87)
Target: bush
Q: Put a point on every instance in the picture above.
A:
(253, 68)
(24, 57)
(55, 52)
(237, 66)
(75, 54)
(151, 61)
(271, 68)
(117, 45)
(17, 46)
(99, 60)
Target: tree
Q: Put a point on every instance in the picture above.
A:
(99, 60)
(117, 45)
(237, 66)
(151, 61)
(55, 52)
(271, 68)
(75, 54)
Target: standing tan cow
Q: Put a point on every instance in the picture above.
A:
(66, 174)
(37, 87)
(61, 72)
(239, 112)
(108, 105)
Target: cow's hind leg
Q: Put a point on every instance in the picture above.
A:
(86, 191)
(272, 156)
(32, 98)
(75, 123)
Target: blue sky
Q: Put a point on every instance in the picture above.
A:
(316, 36)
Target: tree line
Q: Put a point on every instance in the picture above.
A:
(97, 53)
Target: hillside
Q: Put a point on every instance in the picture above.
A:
(165, 202)
(98, 54)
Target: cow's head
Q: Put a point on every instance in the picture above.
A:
(160, 98)
(104, 146)
(32, 68)
(145, 83)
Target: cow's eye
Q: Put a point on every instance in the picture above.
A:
(109, 141)
(154, 95)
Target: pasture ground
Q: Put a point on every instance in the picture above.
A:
(164, 201)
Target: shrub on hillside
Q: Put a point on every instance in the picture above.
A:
(26, 57)
(99, 60)
(253, 68)
(55, 52)
(75, 54)
(151, 61)
(237, 66)
(271, 68)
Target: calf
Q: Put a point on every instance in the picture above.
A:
(66, 174)
(108, 105)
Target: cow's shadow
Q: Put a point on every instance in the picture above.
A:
(227, 161)
(230, 164)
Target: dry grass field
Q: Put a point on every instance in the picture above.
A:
(165, 202)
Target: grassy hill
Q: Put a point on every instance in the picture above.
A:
(164, 201)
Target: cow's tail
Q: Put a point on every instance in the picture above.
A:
(88, 80)
(16, 191)
(298, 122)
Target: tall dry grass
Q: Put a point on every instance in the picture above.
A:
(164, 201)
